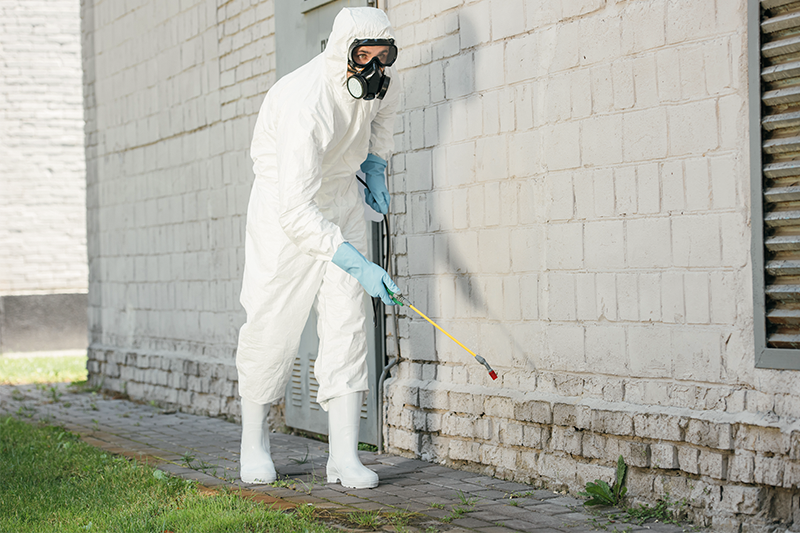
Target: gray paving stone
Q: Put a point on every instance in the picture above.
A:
(361, 493)
(490, 516)
(567, 501)
(471, 522)
(457, 474)
(429, 469)
(401, 480)
(345, 499)
(411, 494)
(413, 506)
(550, 509)
(457, 484)
(539, 520)
(512, 511)
(392, 500)
(489, 494)
(575, 517)
(444, 492)
(510, 486)
(541, 495)
(520, 525)
(428, 500)
(435, 513)
(371, 506)
(662, 528)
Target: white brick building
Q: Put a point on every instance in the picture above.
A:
(572, 198)
(43, 268)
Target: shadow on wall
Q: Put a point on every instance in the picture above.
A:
(447, 207)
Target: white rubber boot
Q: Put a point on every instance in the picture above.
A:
(256, 463)
(344, 416)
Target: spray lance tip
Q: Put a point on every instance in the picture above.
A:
(482, 361)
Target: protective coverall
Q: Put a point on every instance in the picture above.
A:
(310, 137)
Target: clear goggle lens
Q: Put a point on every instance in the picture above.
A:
(360, 57)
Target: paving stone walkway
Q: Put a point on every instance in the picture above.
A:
(207, 451)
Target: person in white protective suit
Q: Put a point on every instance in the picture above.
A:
(306, 233)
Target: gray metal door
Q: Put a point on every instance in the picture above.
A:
(301, 30)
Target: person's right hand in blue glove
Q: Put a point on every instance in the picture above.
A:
(373, 278)
(376, 194)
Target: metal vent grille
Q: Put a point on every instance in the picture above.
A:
(780, 127)
(299, 380)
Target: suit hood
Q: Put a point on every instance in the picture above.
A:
(351, 24)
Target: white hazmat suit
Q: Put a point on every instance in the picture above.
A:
(310, 137)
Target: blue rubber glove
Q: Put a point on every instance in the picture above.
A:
(373, 278)
(376, 194)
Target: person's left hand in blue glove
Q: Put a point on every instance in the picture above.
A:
(376, 194)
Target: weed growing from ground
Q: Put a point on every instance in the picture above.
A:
(364, 518)
(26, 411)
(600, 493)
(84, 387)
(665, 510)
(455, 514)
(287, 483)
(305, 511)
(399, 518)
(302, 461)
(469, 501)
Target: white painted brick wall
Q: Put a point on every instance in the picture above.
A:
(626, 181)
(598, 151)
(172, 93)
(42, 206)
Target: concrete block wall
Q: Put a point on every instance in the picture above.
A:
(42, 207)
(571, 200)
(172, 90)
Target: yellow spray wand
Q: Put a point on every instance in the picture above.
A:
(401, 300)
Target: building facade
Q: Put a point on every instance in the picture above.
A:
(43, 266)
(573, 198)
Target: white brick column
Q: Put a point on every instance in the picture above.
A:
(42, 206)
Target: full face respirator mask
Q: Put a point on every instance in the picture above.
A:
(368, 80)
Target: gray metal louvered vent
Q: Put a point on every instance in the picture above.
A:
(780, 133)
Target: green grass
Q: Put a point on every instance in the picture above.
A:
(44, 369)
(51, 481)
(369, 519)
